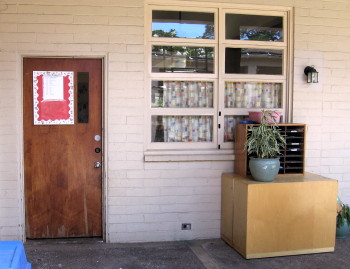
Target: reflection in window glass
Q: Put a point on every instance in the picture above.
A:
(182, 94)
(253, 95)
(254, 27)
(182, 24)
(83, 97)
(182, 59)
(253, 61)
(182, 128)
(230, 125)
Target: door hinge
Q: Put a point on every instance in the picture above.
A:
(219, 113)
(219, 146)
(219, 126)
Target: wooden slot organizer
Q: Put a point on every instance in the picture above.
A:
(294, 214)
(292, 157)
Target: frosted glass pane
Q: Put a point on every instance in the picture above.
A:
(182, 94)
(230, 125)
(182, 128)
(253, 95)
(83, 97)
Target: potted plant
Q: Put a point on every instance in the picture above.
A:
(263, 146)
(343, 220)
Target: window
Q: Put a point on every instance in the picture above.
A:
(186, 24)
(184, 59)
(253, 27)
(208, 67)
(253, 61)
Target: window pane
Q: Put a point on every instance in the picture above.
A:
(230, 125)
(253, 95)
(83, 97)
(253, 61)
(182, 128)
(182, 24)
(182, 94)
(182, 59)
(254, 27)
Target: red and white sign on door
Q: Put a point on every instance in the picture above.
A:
(53, 95)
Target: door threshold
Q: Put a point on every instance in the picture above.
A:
(65, 241)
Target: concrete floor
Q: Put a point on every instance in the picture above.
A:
(198, 254)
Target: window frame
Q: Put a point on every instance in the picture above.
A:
(224, 77)
(212, 77)
(219, 78)
(272, 12)
(169, 111)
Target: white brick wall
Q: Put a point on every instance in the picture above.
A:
(149, 201)
(325, 107)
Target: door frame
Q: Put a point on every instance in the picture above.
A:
(104, 58)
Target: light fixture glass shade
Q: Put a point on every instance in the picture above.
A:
(312, 74)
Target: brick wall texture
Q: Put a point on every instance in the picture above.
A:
(148, 201)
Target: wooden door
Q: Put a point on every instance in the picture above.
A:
(63, 188)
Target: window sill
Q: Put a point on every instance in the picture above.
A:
(189, 155)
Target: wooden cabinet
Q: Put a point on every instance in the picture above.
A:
(292, 158)
(294, 214)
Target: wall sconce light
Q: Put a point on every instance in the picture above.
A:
(312, 74)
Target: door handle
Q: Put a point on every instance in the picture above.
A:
(98, 164)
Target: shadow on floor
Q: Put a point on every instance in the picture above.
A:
(198, 254)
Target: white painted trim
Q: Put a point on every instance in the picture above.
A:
(188, 3)
(188, 155)
(21, 149)
(105, 227)
(290, 66)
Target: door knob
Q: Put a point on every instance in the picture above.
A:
(97, 164)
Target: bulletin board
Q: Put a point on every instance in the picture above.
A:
(53, 97)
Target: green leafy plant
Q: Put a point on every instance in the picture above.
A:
(264, 140)
(343, 215)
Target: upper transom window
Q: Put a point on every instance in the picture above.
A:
(182, 24)
(254, 27)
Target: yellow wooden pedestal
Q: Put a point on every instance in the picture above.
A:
(291, 215)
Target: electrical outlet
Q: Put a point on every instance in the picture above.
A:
(186, 226)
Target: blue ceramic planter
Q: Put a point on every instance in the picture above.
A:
(343, 231)
(264, 170)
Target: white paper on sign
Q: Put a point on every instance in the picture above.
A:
(53, 88)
